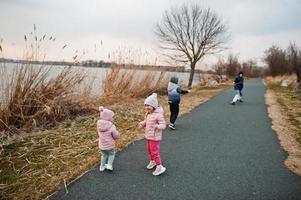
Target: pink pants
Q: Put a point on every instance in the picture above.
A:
(153, 149)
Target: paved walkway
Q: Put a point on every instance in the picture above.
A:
(218, 151)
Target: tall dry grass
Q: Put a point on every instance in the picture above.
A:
(120, 84)
(33, 99)
(31, 96)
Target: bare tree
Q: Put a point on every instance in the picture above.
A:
(248, 67)
(220, 67)
(232, 66)
(277, 61)
(188, 33)
(294, 57)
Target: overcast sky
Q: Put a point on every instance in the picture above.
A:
(103, 29)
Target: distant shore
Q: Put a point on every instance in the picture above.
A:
(102, 64)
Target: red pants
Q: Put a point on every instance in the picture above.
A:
(153, 149)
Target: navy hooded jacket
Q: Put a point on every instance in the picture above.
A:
(239, 83)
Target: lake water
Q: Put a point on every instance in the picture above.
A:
(95, 76)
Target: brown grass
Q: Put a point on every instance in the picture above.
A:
(120, 84)
(32, 99)
(284, 109)
(40, 164)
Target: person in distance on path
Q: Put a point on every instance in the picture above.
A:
(238, 86)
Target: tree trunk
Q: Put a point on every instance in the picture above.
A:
(192, 67)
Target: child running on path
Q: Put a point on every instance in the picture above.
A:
(153, 124)
(174, 98)
(107, 136)
(238, 86)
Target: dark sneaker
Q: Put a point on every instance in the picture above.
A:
(171, 126)
(233, 103)
(241, 100)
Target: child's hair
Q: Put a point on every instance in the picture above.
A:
(241, 73)
(174, 80)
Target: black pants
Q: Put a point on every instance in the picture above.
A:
(174, 111)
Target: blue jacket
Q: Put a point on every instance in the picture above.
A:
(239, 83)
(174, 93)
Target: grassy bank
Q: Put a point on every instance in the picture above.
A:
(38, 165)
(285, 112)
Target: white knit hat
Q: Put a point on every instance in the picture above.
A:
(152, 100)
(106, 114)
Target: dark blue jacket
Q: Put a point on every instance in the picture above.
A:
(239, 83)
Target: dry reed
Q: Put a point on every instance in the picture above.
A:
(32, 99)
(121, 83)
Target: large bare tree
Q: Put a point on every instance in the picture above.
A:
(189, 32)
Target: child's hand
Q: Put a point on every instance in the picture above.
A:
(140, 125)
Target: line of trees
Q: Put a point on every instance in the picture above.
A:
(284, 61)
(231, 67)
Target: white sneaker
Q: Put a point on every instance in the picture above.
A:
(151, 165)
(159, 170)
(109, 167)
(102, 168)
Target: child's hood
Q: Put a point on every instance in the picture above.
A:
(172, 86)
(104, 125)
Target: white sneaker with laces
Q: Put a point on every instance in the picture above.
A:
(159, 170)
(102, 168)
(109, 167)
(151, 165)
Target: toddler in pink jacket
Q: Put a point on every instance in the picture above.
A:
(153, 124)
(107, 134)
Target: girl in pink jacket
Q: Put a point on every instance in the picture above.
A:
(107, 136)
(153, 124)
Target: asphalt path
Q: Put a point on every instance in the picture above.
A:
(218, 151)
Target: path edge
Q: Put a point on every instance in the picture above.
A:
(285, 132)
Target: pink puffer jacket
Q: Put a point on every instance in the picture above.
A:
(107, 134)
(154, 124)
